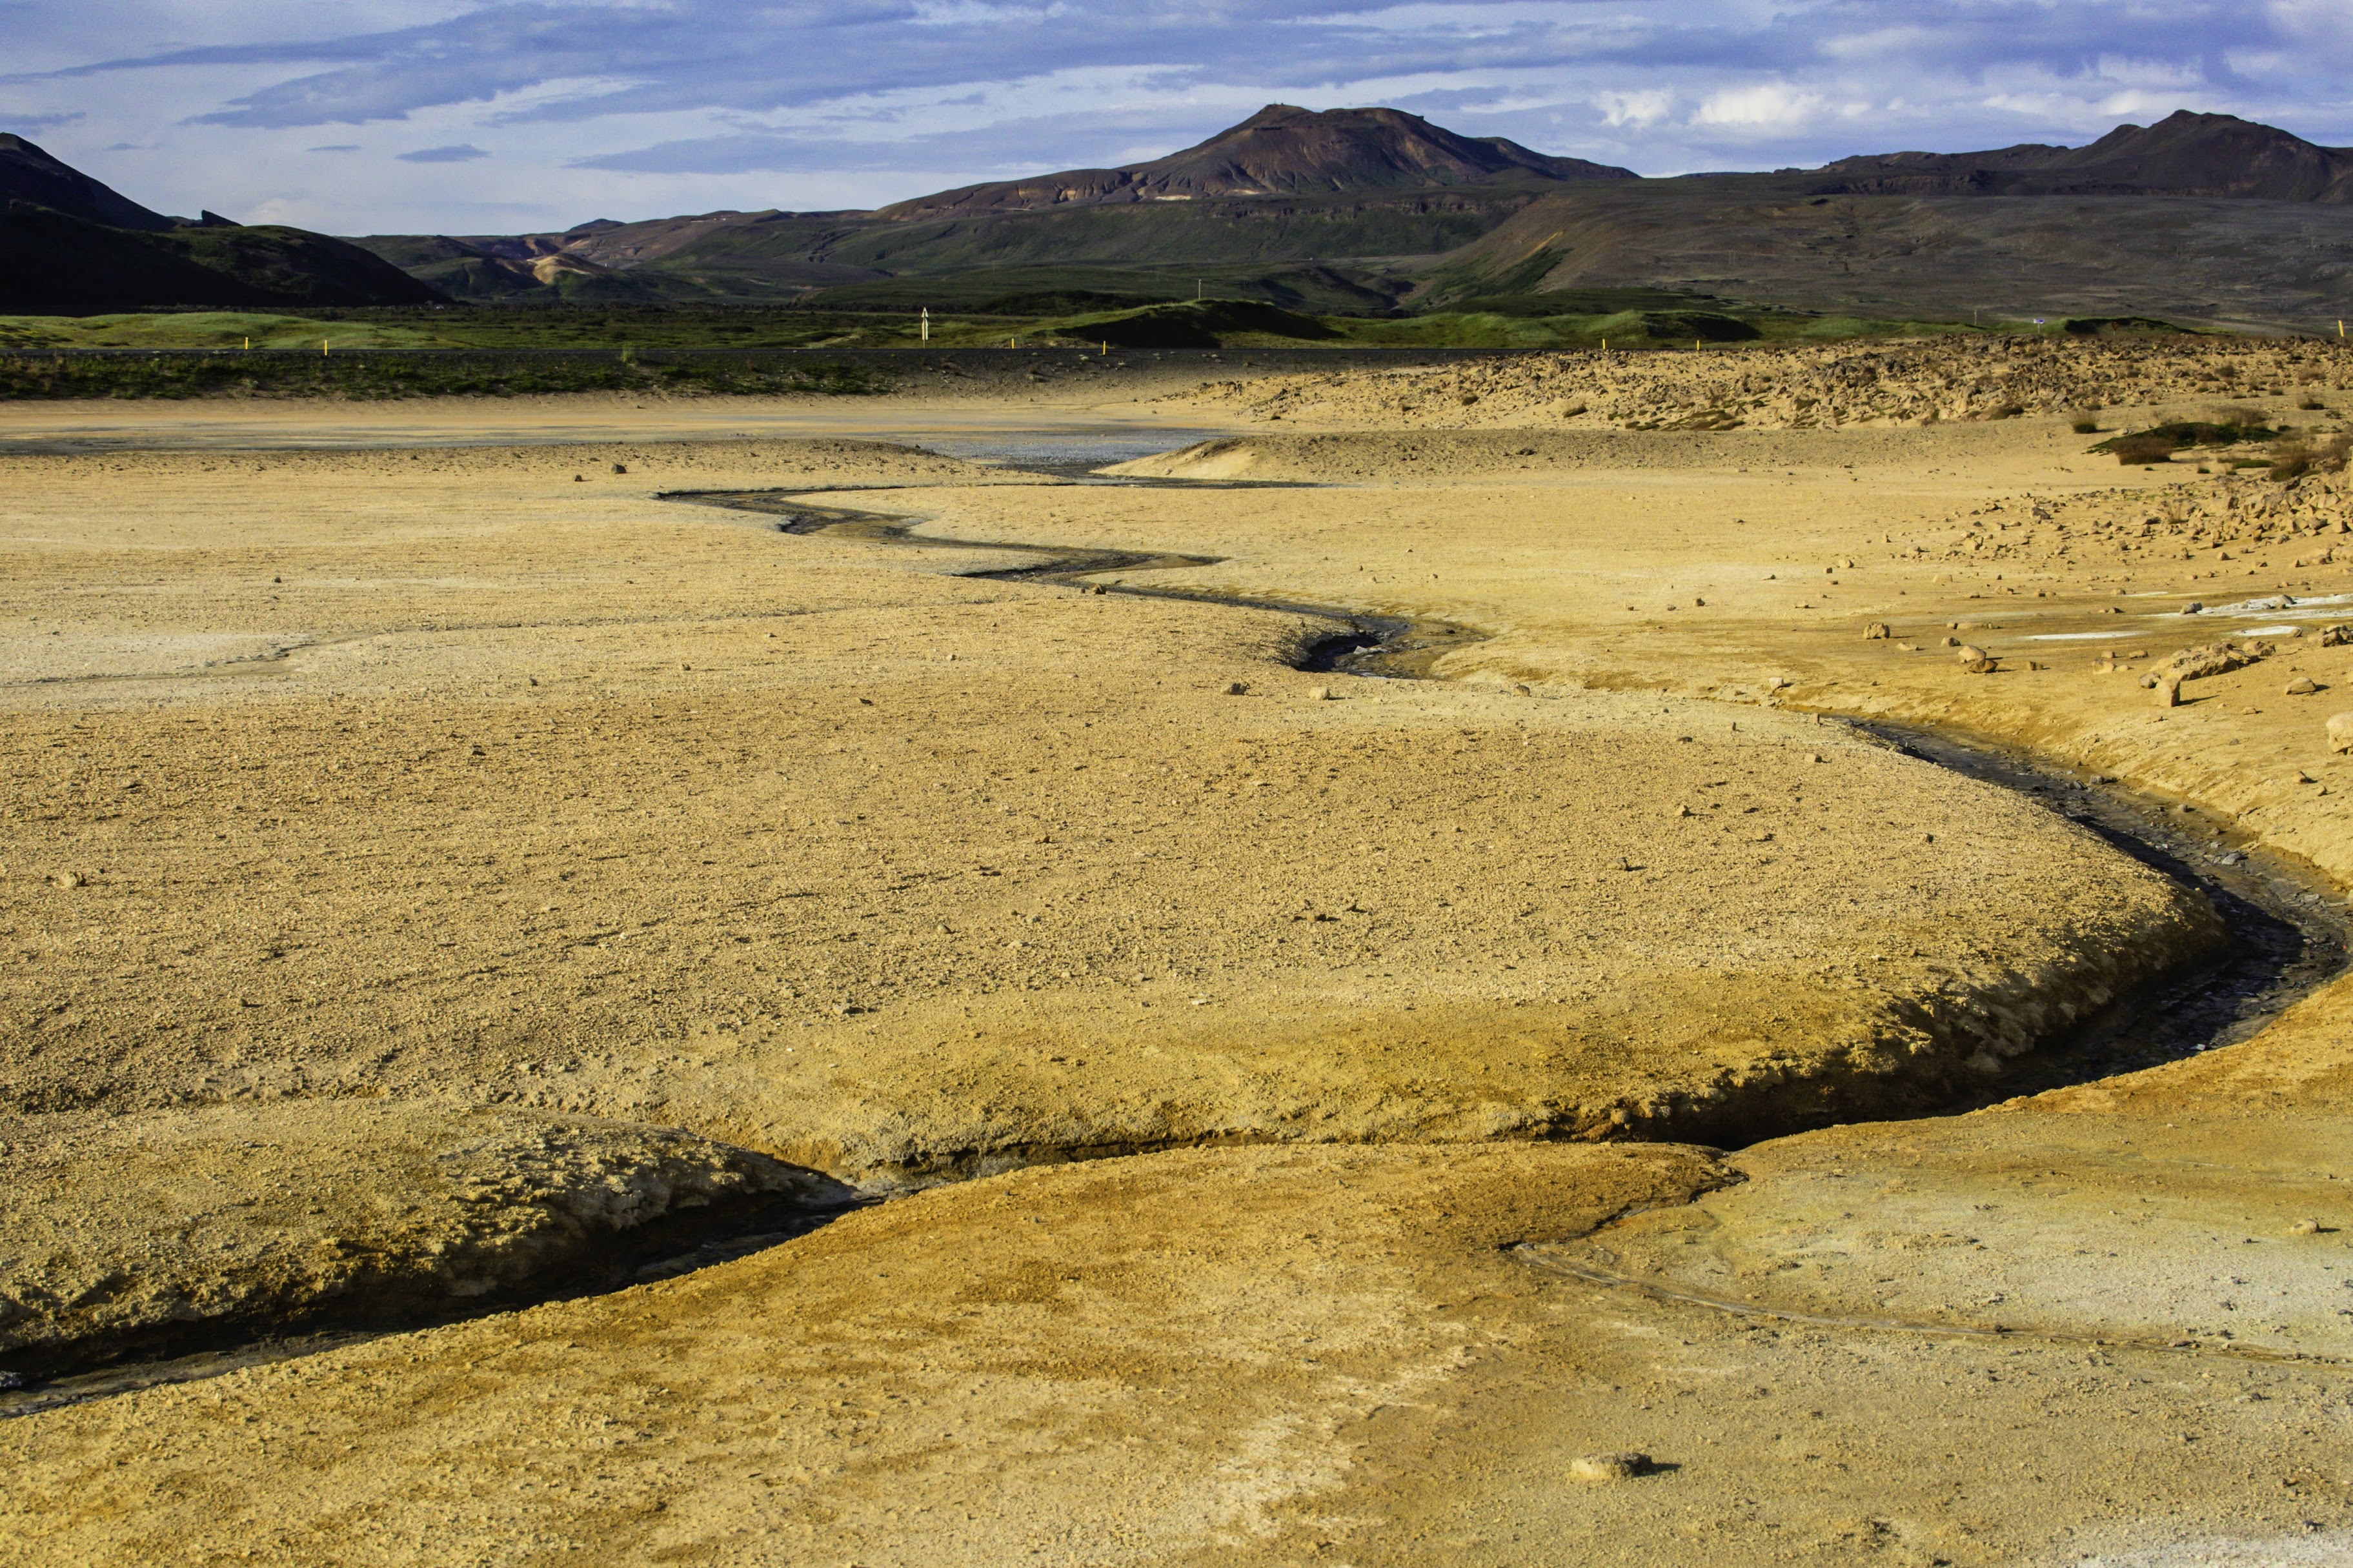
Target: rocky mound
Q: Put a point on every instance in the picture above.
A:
(1914, 380)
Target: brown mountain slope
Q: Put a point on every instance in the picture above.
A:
(1279, 150)
(2192, 259)
(2184, 154)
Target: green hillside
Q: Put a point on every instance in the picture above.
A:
(51, 264)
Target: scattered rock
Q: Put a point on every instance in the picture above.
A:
(1609, 1467)
(2194, 607)
(2302, 686)
(1952, 642)
(1876, 632)
(74, 879)
(1319, 694)
(2218, 658)
(2336, 637)
(2304, 1228)
(2340, 732)
(1974, 659)
(2169, 690)
(620, 467)
(1237, 688)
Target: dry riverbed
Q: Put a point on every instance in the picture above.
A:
(430, 871)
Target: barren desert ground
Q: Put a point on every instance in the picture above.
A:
(580, 986)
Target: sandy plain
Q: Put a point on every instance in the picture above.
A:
(1313, 1118)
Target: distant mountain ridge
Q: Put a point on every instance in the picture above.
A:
(2184, 154)
(2198, 216)
(1383, 205)
(1281, 151)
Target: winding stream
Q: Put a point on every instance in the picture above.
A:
(2290, 929)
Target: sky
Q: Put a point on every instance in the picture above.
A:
(458, 116)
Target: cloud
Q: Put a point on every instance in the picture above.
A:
(463, 152)
(1772, 106)
(1640, 110)
(33, 124)
(347, 147)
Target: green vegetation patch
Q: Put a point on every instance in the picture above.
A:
(2180, 433)
(395, 375)
(1197, 324)
(2116, 326)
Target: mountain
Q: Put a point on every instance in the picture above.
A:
(72, 247)
(2184, 154)
(1286, 189)
(1924, 252)
(1281, 151)
(30, 174)
(53, 265)
(2199, 216)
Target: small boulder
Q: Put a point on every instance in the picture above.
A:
(2169, 690)
(1974, 659)
(1237, 688)
(1876, 632)
(1609, 1467)
(2302, 686)
(2336, 637)
(2340, 732)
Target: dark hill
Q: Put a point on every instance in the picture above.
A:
(30, 174)
(71, 247)
(2184, 154)
(52, 264)
(1279, 150)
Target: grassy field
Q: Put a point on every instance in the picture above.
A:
(394, 374)
(428, 350)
